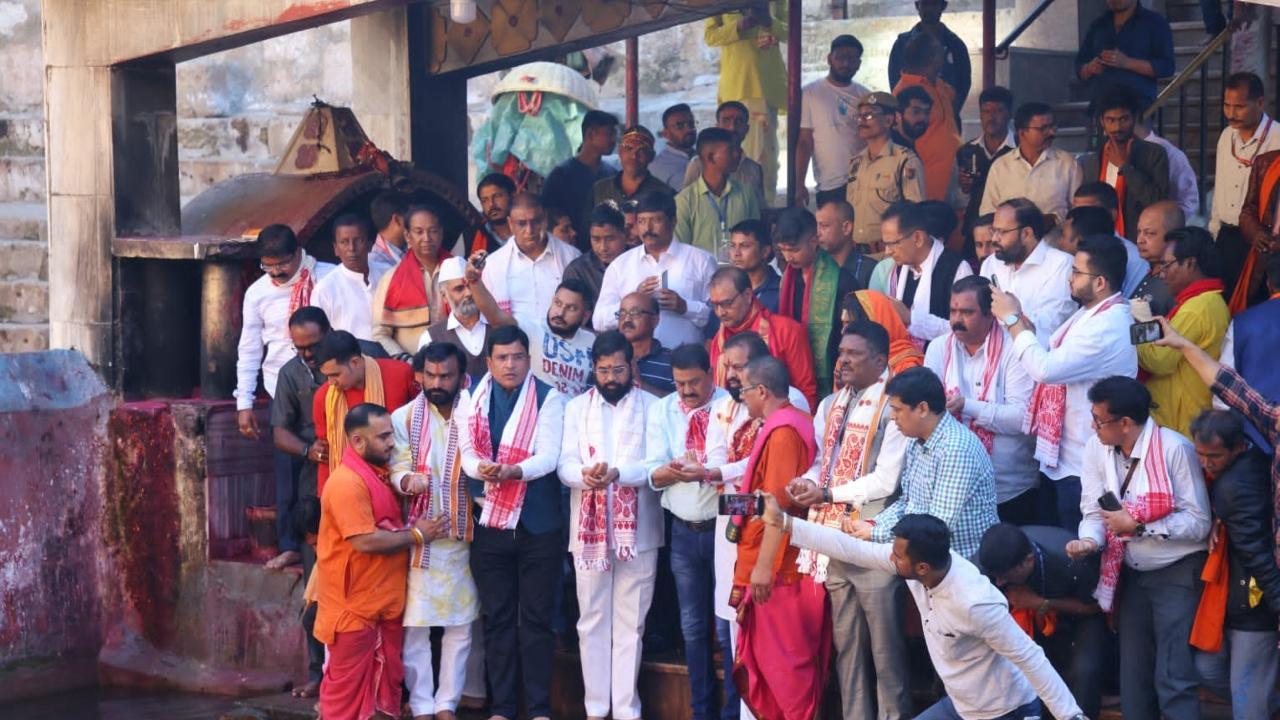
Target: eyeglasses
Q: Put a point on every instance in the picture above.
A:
(868, 115)
(725, 304)
(1043, 128)
(1099, 424)
(630, 314)
(890, 243)
(1001, 232)
(615, 371)
(1075, 272)
(746, 388)
(274, 267)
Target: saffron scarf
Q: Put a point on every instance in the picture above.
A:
(1240, 296)
(335, 409)
(757, 321)
(1211, 613)
(1103, 163)
(408, 303)
(303, 282)
(1029, 619)
(503, 500)
(455, 503)
(1047, 411)
(817, 308)
(386, 506)
(904, 351)
(1154, 500)
(611, 507)
(855, 431)
(993, 349)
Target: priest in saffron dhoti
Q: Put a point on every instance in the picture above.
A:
(784, 640)
(427, 467)
(615, 527)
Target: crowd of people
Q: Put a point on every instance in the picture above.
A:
(1017, 385)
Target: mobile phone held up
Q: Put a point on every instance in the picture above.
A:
(1109, 502)
(1145, 332)
(734, 504)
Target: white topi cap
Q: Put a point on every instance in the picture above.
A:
(454, 268)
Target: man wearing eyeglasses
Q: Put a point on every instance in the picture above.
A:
(637, 317)
(1029, 267)
(883, 173)
(1037, 171)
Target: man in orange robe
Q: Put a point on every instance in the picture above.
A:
(739, 311)
(784, 634)
(937, 145)
(353, 378)
(362, 570)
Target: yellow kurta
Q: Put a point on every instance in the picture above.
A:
(746, 71)
(1175, 387)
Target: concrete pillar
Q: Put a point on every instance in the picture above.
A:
(439, 139)
(380, 78)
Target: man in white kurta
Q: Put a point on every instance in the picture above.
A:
(615, 527)
(441, 592)
(346, 293)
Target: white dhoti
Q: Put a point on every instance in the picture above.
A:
(612, 607)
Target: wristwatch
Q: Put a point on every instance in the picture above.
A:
(1140, 530)
(1011, 319)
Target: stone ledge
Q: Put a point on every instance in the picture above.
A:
(23, 338)
(22, 179)
(24, 301)
(24, 260)
(24, 221)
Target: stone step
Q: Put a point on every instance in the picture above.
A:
(21, 135)
(22, 178)
(245, 137)
(24, 260)
(24, 301)
(23, 221)
(23, 337)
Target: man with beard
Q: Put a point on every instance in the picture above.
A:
(427, 468)
(407, 300)
(921, 87)
(523, 274)
(914, 109)
(1137, 169)
(297, 454)
(495, 193)
(608, 241)
(673, 271)
(680, 131)
(346, 293)
(363, 537)
(854, 473)
(1092, 344)
(1156, 222)
(988, 390)
(510, 444)
(828, 126)
(677, 443)
(731, 432)
(616, 527)
(883, 173)
(637, 318)
(1038, 171)
(466, 327)
(1028, 266)
(738, 311)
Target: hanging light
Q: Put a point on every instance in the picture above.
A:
(462, 11)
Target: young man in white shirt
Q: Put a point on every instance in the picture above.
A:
(1146, 509)
(523, 274)
(1250, 132)
(615, 527)
(829, 125)
(346, 294)
(1092, 344)
(924, 271)
(290, 276)
(988, 390)
(1027, 266)
(989, 667)
(677, 274)
(1038, 171)
(855, 471)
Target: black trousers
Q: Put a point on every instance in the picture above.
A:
(1155, 612)
(315, 648)
(516, 575)
(1078, 651)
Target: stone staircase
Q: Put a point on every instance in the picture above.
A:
(24, 250)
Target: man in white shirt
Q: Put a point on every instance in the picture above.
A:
(1037, 171)
(680, 131)
(466, 327)
(855, 470)
(1184, 189)
(829, 125)
(524, 272)
(1152, 542)
(289, 278)
(1027, 266)
(988, 391)
(989, 667)
(974, 159)
(1092, 344)
(924, 272)
(386, 210)
(677, 274)
(346, 294)
(1096, 193)
(615, 527)
(1250, 133)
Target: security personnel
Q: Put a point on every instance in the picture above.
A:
(883, 173)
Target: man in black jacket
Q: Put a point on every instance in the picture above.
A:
(1051, 597)
(1244, 668)
(1137, 169)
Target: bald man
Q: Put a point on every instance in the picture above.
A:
(1156, 221)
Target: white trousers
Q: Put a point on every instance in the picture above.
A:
(424, 697)
(612, 606)
(474, 687)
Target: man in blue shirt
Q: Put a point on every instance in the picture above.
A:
(1129, 45)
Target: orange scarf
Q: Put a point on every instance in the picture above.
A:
(903, 353)
(1211, 614)
(757, 321)
(1102, 175)
(1240, 296)
(335, 409)
(1032, 622)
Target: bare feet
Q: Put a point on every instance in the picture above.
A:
(284, 560)
(310, 690)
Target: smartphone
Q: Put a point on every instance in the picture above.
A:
(477, 259)
(735, 504)
(1145, 332)
(662, 280)
(995, 283)
(1109, 502)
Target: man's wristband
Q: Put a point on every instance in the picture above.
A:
(826, 495)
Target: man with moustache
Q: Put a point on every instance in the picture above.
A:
(466, 327)
(926, 99)
(346, 293)
(407, 300)
(835, 238)
(427, 468)
(615, 525)
(680, 131)
(362, 552)
(676, 459)
(1028, 266)
(924, 272)
(495, 193)
(1157, 221)
(1038, 171)
(883, 173)
(608, 230)
(637, 319)
(635, 152)
(854, 473)
(523, 274)
(1137, 169)
(828, 127)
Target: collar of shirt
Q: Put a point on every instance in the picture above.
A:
(673, 253)
(1257, 137)
(453, 323)
(1010, 141)
(1046, 155)
(1139, 446)
(730, 187)
(356, 278)
(891, 148)
(939, 434)
(654, 349)
(676, 151)
(1037, 255)
(926, 267)
(391, 251)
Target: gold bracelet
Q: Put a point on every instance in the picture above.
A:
(420, 539)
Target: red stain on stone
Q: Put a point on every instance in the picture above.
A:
(302, 11)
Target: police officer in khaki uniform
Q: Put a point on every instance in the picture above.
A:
(883, 173)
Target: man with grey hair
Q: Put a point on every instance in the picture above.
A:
(1157, 220)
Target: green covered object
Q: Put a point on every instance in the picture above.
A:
(541, 139)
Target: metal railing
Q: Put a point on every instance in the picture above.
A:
(1002, 48)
